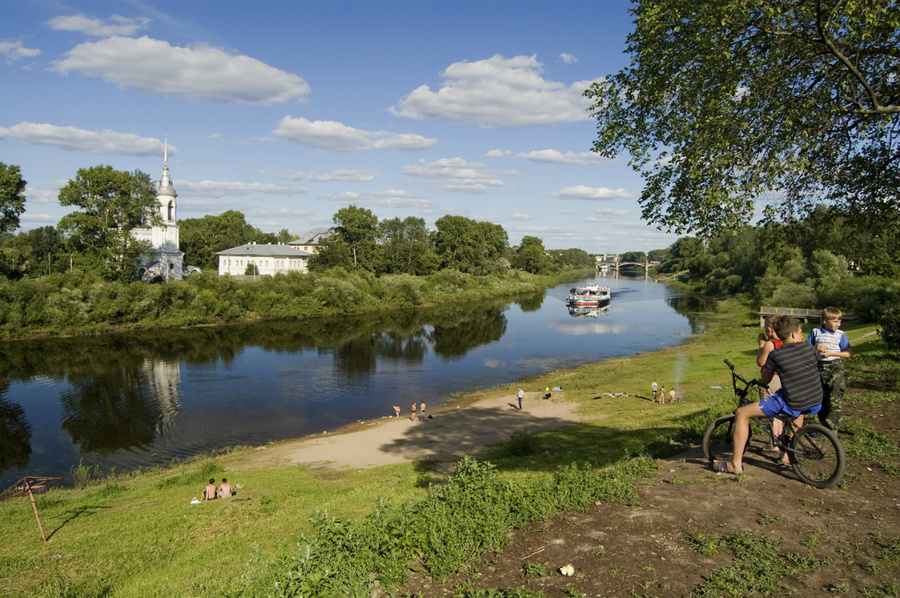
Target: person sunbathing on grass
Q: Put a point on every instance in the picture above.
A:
(800, 392)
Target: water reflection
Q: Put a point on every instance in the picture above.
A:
(15, 436)
(138, 399)
(588, 312)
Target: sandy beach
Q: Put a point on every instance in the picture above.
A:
(453, 432)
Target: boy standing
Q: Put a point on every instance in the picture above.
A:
(800, 393)
(832, 347)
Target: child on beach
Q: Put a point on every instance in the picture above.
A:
(832, 348)
(662, 393)
(655, 388)
(413, 417)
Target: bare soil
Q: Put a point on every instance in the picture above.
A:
(617, 550)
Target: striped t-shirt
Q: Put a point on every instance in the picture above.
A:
(800, 381)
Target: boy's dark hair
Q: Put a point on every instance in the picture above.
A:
(784, 326)
(212, 480)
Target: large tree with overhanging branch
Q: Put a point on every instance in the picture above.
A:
(729, 103)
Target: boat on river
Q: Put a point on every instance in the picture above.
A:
(591, 295)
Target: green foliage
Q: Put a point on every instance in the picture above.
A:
(111, 204)
(458, 521)
(530, 256)
(889, 329)
(759, 567)
(534, 570)
(724, 101)
(201, 238)
(12, 197)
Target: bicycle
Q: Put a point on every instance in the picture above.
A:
(815, 452)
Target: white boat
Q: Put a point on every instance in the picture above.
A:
(591, 295)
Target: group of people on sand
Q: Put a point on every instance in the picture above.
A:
(808, 379)
(223, 491)
(421, 412)
(659, 393)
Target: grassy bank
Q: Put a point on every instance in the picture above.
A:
(136, 535)
(75, 303)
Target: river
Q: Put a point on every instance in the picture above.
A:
(132, 400)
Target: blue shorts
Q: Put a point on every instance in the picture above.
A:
(772, 406)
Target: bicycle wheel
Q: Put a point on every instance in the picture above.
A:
(817, 456)
(717, 442)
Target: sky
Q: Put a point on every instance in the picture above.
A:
(288, 111)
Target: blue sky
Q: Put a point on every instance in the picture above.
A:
(290, 110)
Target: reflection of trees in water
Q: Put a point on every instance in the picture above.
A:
(113, 402)
(531, 302)
(15, 436)
(469, 329)
(108, 411)
(692, 307)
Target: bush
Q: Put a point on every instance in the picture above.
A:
(890, 328)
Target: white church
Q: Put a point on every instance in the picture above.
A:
(166, 262)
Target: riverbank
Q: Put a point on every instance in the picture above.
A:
(138, 535)
(74, 304)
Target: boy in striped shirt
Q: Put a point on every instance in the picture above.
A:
(800, 393)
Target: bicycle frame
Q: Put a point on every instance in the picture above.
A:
(783, 441)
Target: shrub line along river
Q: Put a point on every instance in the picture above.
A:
(133, 400)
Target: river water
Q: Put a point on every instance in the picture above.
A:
(125, 401)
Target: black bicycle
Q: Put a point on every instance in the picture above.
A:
(815, 452)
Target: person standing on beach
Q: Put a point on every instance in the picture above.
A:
(422, 411)
(520, 395)
(413, 417)
(655, 388)
(397, 410)
(662, 393)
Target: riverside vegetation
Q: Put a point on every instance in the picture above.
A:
(298, 530)
(84, 303)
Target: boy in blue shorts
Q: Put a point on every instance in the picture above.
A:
(832, 347)
(800, 393)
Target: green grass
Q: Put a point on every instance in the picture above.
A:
(137, 534)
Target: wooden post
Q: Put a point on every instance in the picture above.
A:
(34, 506)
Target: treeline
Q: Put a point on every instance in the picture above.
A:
(83, 303)
(828, 258)
(109, 205)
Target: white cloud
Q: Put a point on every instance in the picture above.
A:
(497, 92)
(568, 58)
(115, 25)
(339, 137)
(233, 189)
(13, 50)
(344, 176)
(346, 197)
(553, 156)
(521, 217)
(498, 153)
(397, 198)
(94, 142)
(606, 215)
(200, 72)
(456, 174)
(585, 192)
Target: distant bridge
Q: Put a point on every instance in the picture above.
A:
(615, 264)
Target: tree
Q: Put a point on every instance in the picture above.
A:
(12, 197)
(530, 255)
(112, 203)
(469, 246)
(725, 101)
(405, 247)
(201, 238)
(357, 227)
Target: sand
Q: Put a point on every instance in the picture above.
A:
(453, 432)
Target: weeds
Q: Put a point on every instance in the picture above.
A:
(704, 544)
(534, 570)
